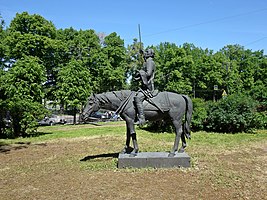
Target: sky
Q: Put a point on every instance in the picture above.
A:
(210, 24)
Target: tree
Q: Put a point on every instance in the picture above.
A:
(73, 87)
(234, 66)
(3, 107)
(32, 35)
(112, 70)
(84, 46)
(172, 68)
(134, 62)
(2, 66)
(23, 91)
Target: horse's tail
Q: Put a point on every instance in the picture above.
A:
(188, 116)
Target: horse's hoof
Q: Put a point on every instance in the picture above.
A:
(181, 151)
(123, 151)
(132, 155)
(171, 155)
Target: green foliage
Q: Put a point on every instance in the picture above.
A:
(22, 89)
(73, 84)
(112, 72)
(160, 127)
(32, 24)
(199, 114)
(134, 62)
(83, 46)
(178, 83)
(235, 113)
(32, 35)
(172, 65)
(25, 79)
(259, 92)
(261, 120)
(24, 115)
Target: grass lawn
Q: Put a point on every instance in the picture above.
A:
(79, 162)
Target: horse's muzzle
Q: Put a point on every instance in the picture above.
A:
(84, 117)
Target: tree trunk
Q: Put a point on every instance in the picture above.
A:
(74, 115)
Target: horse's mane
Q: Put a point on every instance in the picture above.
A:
(106, 96)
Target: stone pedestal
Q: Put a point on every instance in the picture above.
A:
(154, 160)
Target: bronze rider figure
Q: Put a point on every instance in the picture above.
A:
(146, 77)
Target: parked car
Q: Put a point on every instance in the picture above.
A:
(52, 120)
(95, 117)
(7, 122)
(98, 117)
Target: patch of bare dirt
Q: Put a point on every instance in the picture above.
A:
(55, 170)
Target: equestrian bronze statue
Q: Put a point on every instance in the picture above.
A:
(166, 106)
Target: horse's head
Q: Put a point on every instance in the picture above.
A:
(91, 106)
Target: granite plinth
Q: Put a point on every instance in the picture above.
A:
(154, 160)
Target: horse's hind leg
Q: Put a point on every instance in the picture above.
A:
(134, 139)
(178, 133)
(135, 145)
(182, 149)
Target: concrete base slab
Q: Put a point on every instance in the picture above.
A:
(153, 159)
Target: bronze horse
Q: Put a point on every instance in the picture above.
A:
(164, 106)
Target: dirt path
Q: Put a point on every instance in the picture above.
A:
(54, 170)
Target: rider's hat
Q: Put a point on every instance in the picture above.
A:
(149, 53)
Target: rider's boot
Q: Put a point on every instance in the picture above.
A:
(140, 110)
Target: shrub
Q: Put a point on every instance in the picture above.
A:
(160, 126)
(261, 120)
(235, 113)
(199, 114)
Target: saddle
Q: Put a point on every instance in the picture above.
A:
(154, 101)
(160, 102)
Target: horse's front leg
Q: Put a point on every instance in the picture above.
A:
(128, 139)
(178, 133)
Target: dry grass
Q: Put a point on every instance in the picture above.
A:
(223, 167)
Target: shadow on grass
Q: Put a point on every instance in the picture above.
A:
(105, 155)
(37, 134)
(27, 135)
(4, 148)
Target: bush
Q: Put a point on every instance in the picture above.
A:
(160, 126)
(235, 113)
(261, 120)
(23, 115)
(199, 114)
